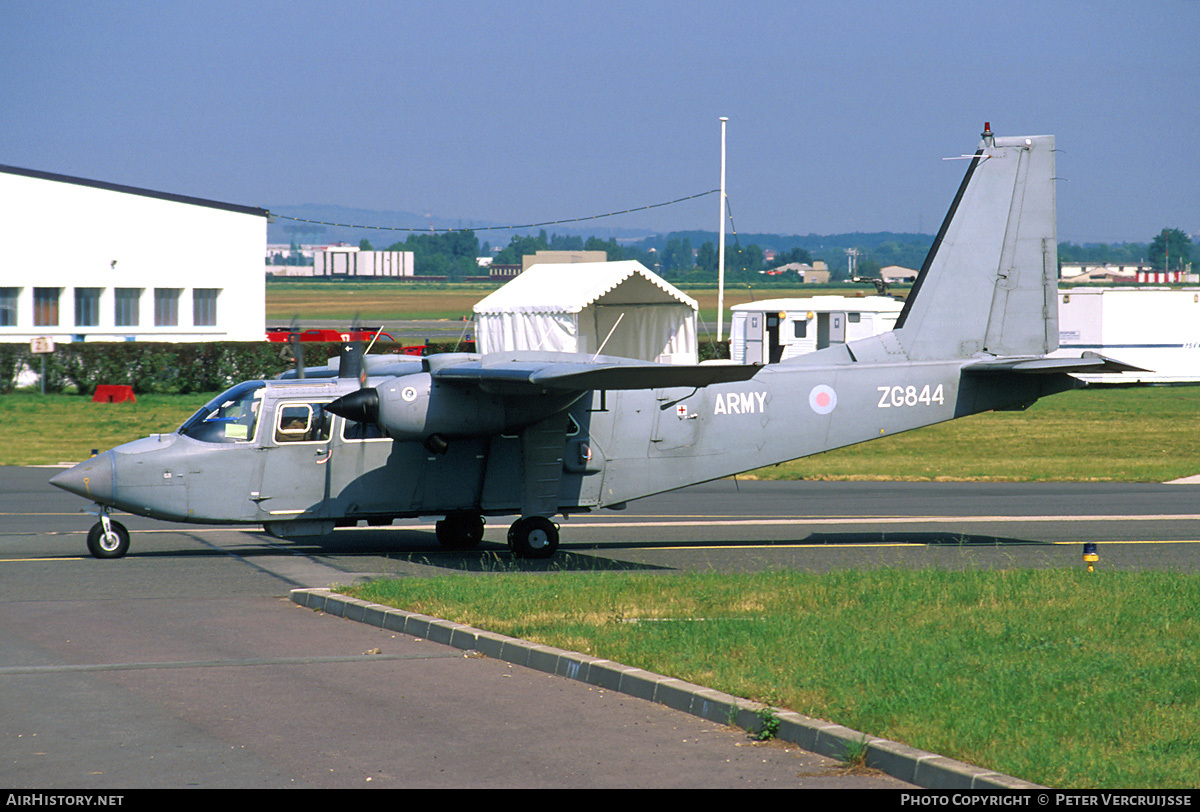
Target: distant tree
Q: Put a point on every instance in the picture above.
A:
(1170, 249)
(1099, 252)
(610, 247)
(794, 255)
(520, 245)
(365, 245)
(451, 254)
(746, 260)
(677, 255)
(868, 267)
(706, 257)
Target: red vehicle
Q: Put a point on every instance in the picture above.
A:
(283, 334)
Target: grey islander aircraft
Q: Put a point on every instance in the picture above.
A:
(534, 434)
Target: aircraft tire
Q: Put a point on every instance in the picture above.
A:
(460, 531)
(533, 537)
(115, 545)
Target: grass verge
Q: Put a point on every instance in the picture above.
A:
(1064, 678)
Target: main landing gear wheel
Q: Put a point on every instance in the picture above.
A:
(110, 542)
(460, 531)
(533, 537)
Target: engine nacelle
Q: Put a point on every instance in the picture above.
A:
(416, 407)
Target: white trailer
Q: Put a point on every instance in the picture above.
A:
(774, 330)
(1156, 329)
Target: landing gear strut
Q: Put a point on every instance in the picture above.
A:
(461, 530)
(107, 538)
(533, 537)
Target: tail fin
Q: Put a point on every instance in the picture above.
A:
(989, 284)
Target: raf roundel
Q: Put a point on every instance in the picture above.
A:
(822, 399)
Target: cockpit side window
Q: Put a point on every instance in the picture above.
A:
(231, 417)
(302, 423)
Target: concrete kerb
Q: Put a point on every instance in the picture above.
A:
(918, 767)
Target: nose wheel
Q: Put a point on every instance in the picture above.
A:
(533, 537)
(108, 539)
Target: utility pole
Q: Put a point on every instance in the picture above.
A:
(721, 241)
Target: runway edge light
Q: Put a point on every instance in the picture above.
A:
(1090, 556)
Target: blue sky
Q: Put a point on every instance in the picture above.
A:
(523, 111)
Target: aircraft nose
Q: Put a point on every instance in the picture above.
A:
(92, 479)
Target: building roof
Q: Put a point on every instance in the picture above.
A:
(133, 190)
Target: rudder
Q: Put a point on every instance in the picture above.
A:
(989, 284)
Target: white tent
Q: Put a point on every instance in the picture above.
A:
(572, 307)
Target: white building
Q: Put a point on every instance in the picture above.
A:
(138, 264)
(349, 260)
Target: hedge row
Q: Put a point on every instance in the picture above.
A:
(168, 368)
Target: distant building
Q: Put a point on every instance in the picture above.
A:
(134, 268)
(562, 257)
(898, 273)
(816, 273)
(1102, 271)
(348, 260)
(502, 273)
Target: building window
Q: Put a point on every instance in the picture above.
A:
(8, 306)
(87, 307)
(204, 307)
(166, 307)
(125, 310)
(45, 307)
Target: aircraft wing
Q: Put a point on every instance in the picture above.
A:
(1089, 362)
(582, 376)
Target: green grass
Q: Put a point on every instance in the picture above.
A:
(310, 299)
(1148, 434)
(1060, 677)
(47, 429)
(370, 301)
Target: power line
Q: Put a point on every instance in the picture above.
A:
(498, 228)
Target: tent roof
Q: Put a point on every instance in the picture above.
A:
(570, 287)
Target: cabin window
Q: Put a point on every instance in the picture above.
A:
(353, 430)
(854, 318)
(302, 423)
(801, 328)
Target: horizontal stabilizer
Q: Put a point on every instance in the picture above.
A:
(582, 376)
(1089, 362)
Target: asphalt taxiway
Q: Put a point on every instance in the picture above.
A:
(184, 664)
